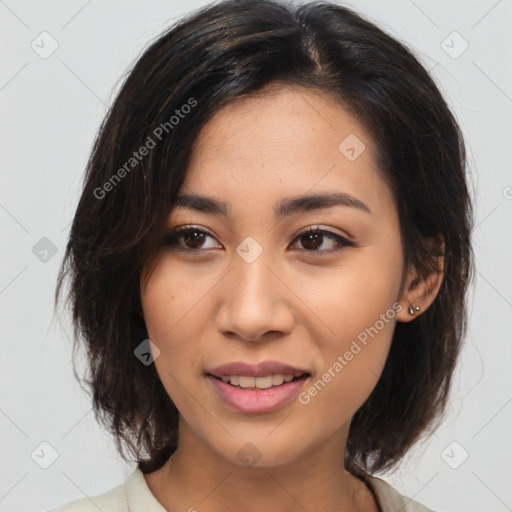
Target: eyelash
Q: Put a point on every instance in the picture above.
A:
(172, 238)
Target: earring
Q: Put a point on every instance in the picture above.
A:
(414, 310)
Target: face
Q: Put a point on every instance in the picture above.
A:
(313, 288)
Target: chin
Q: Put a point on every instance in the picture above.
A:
(260, 452)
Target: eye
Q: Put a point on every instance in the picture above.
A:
(314, 238)
(193, 238)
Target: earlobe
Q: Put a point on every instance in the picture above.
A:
(420, 291)
(414, 309)
(410, 300)
(418, 298)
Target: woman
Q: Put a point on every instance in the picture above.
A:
(269, 263)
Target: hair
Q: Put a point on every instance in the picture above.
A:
(209, 58)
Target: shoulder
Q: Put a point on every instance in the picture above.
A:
(133, 495)
(113, 500)
(391, 500)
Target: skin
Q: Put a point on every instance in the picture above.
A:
(292, 304)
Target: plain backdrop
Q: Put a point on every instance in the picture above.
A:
(51, 109)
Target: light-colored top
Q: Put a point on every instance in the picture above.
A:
(134, 496)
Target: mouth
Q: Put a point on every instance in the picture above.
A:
(257, 395)
(262, 382)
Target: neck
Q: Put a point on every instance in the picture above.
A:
(198, 478)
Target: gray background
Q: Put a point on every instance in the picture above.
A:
(51, 110)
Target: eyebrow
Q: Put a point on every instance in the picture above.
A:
(283, 208)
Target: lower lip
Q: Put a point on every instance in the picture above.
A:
(250, 400)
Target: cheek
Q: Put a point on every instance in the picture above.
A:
(171, 318)
(357, 308)
(352, 365)
(172, 299)
(349, 299)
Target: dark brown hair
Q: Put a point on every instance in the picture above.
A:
(211, 57)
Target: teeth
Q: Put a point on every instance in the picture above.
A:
(277, 380)
(246, 382)
(259, 382)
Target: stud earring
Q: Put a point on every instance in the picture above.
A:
(414, 310)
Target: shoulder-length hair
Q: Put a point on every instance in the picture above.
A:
(206, 60)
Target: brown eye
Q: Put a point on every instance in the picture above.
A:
(313, 238)
(192, 239)
(312, 241)
(186, 238)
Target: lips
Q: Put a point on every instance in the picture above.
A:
(254, 400)
(259, 388)
(262, 369)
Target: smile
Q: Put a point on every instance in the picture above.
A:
(264, 382)
(248, 394)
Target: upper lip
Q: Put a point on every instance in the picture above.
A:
(259, 370)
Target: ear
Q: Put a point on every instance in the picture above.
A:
(421, 287)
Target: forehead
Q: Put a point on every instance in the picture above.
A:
(284, 142)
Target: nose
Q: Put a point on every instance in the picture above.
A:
(255, 302)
